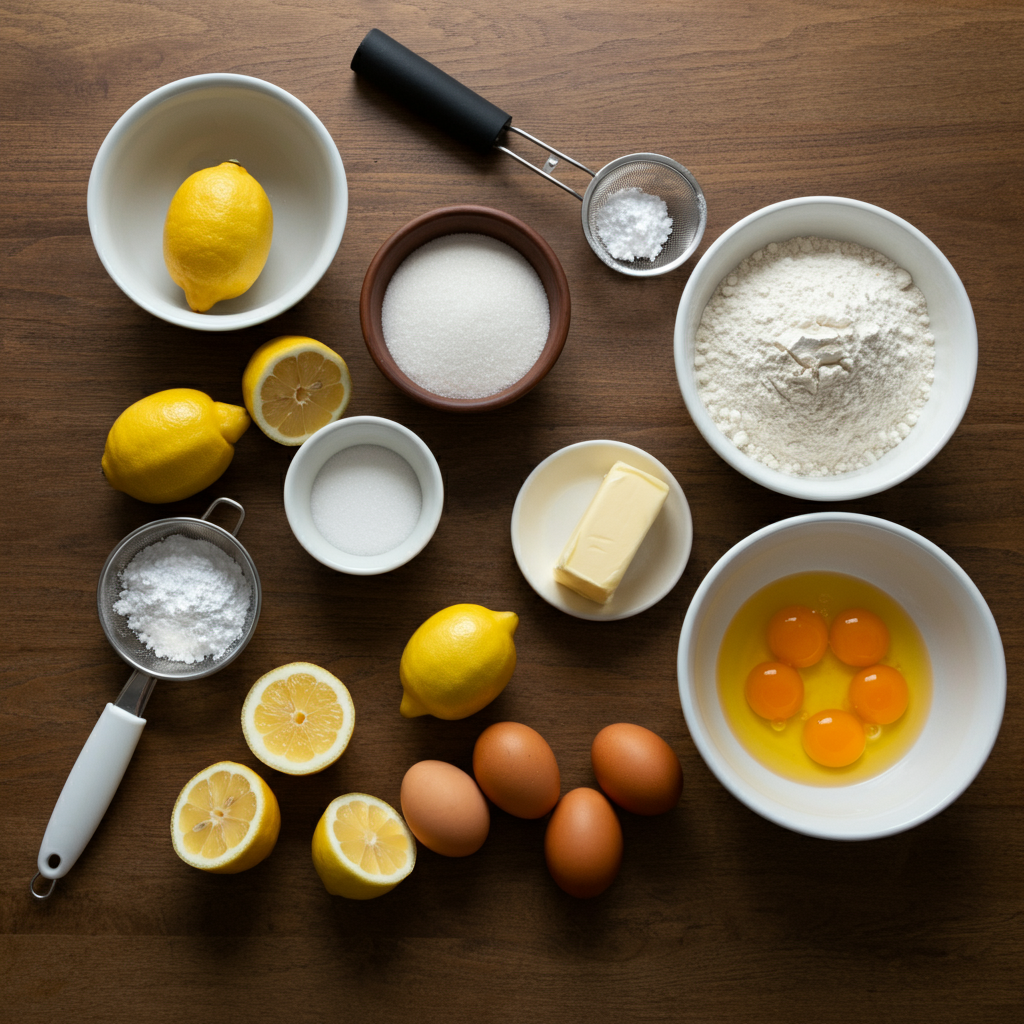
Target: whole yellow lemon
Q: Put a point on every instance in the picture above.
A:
(217, 234)
(457, 662)
(171, 445)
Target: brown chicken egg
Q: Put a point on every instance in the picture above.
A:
(444, 808)
(516, 769)
(637, 768)
(583, 843)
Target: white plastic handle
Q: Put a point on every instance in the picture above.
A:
(90, 787)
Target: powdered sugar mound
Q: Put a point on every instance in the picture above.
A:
(185, 599)
(465, 316)
(633, 224)
(814, 356)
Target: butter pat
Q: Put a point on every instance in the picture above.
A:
(611, 531)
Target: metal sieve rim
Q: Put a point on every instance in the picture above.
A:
(149, 534)
(652, 269)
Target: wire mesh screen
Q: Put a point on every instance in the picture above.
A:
(668, 180)
(126, 642)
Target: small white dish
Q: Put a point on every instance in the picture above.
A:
(309, 459)
(966, 654)
(199, 122)
(549, 506)
(952, 323)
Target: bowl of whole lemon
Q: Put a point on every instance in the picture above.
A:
(217, 202)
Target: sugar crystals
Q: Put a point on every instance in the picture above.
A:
(465, 316)
(366, 500)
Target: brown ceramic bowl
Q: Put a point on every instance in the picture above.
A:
(449, 220)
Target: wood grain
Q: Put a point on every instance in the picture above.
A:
(717, 916)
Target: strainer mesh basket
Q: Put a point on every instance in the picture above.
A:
(658, 176)
(125, 641)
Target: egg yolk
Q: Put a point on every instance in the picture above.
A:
(834, 738)
(774, 691)
(797, 636)
(879, 694)
(859, 637)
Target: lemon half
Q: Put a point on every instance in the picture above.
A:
(293, 386)
(298, 718)
(361, 847)
(225, 820)
(217, 234)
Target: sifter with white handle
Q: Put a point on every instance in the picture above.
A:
(103, 760)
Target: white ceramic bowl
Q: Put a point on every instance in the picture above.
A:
(336, 437)
(952, 323)
(199, 122)
(968, 673)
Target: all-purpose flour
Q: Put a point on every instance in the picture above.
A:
(814, 356)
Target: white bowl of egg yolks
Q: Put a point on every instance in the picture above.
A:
(942, 637)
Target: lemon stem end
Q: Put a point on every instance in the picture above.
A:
(507, 620)
(233, 421)
(411, 708)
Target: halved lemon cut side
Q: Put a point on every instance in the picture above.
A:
(293, 386)
(225, 820)
(361, 847)
(298, 718)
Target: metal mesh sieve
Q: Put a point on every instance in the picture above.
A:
(115, 626)
(98, 770)
(431, 93)
(656, 175)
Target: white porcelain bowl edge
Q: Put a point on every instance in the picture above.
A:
(968, 667)
(952, 323)
(327, 442)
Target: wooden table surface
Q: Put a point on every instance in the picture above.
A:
(717, 914)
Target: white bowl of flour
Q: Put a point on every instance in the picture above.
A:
(825, 348)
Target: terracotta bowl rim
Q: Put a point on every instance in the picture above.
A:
(421, 230)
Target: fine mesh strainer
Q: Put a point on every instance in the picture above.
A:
(437, 97)
(100, 766)
(656, 175)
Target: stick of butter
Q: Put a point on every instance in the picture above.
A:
(605, 540)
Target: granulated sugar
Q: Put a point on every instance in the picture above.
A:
(465, 316)
(366, 500)
(184, 598)
(633, 224)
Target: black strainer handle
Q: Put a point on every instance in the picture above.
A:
(428, 92)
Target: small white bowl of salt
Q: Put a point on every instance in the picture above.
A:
(363, 495)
